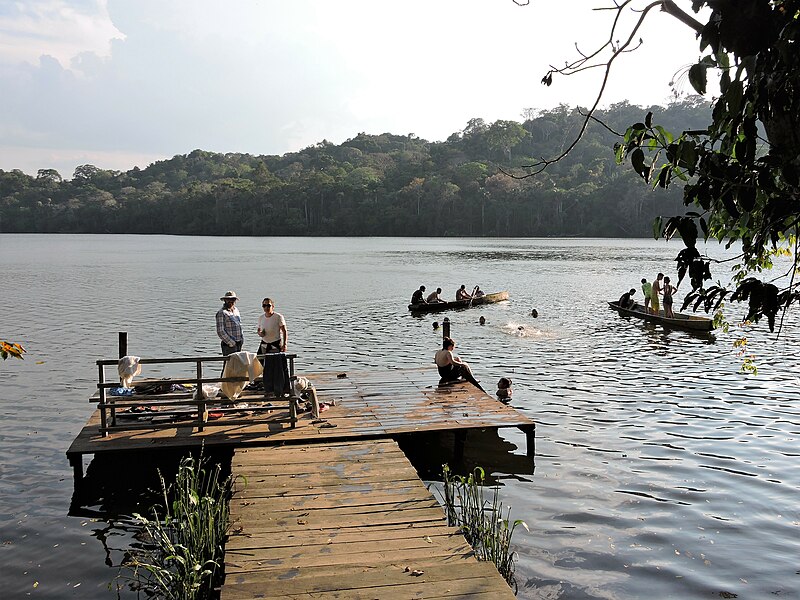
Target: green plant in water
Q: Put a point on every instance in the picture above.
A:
(481, 522)
(182, 554)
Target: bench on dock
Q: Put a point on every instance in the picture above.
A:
(189, 407)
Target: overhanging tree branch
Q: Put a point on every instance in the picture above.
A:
(584, 63)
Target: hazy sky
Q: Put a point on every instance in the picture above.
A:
(119, 83)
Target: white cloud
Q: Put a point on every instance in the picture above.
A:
(56, 28)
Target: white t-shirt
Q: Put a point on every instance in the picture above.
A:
(271, 326)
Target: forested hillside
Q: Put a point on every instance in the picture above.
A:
(379, 185)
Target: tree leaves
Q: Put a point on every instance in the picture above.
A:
(697, 78)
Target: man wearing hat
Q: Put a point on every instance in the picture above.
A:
(229, 325)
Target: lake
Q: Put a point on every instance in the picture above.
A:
(660, 471)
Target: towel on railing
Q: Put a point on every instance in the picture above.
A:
(240, 364)
(128, 368)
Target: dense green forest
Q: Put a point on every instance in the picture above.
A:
(372, 185)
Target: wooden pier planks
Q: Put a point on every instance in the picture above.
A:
(375, 404)
(344, 520)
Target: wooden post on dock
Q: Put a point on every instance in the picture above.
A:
(123, 343)
(446, 327)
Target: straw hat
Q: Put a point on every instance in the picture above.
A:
(229, 295)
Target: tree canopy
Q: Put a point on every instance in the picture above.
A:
(377, 185)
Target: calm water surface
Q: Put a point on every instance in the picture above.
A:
(660, 471)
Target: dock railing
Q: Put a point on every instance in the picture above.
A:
(194, 398)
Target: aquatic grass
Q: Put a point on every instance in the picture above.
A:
(480, 521)
(181, 553)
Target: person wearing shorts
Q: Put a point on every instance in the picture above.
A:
(654, 303)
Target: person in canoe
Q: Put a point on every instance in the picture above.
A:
(626, 300)
(647, 290)
(656, 290)
(462, 293)
(668, 291)
(418, 297)
(451, 367)
(433, 297)
(479, 293)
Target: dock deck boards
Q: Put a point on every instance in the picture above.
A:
(376, 404)
(344, 520)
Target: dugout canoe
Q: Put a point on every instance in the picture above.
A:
(679, 321)
(456, 304)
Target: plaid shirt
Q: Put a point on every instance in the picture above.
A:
(229, 326)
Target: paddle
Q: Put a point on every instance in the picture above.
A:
(472, 297)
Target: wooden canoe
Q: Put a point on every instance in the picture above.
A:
(679, 321)
(456, 304)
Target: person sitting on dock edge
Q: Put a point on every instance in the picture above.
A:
(451, 367)
(229, 325)
(418, 297)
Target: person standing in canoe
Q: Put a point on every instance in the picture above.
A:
(657, 289)
(669, 289)
(647, 289)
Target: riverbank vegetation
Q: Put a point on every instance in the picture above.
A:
(181, 552)
(370, 185)
(480, 520)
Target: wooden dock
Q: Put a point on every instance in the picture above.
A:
(345, 520)
(363, 405)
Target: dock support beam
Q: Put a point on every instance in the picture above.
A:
(530, 439)
(460, 442)
(76, 462)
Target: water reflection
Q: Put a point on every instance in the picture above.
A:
(484, 448)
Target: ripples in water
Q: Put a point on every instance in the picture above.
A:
(660, 470)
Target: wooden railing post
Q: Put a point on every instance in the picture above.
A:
(123, 343)
(446, 328)
(101, 379)
(202, 415)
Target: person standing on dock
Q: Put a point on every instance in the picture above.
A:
(229, 325)
(274, 338)
(272, 329)
(451, 367)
